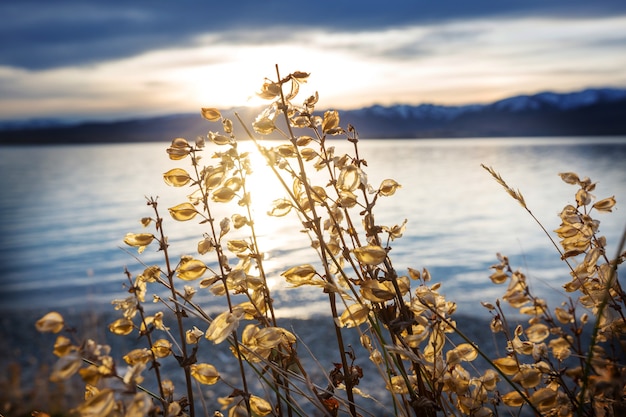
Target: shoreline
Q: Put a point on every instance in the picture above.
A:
(26, 356)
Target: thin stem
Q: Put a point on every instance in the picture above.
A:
(596, 327)
(179, 312)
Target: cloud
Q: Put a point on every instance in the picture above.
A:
(40, 34)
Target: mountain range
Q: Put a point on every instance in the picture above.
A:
(600, 111)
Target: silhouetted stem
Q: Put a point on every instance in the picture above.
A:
(179, 312)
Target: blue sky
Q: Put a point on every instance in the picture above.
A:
(118, 59)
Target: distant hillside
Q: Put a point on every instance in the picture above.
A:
(583, 113)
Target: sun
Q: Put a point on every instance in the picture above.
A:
(227, 76)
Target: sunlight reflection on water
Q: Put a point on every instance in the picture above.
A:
(65, 210)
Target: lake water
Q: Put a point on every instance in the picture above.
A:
(65, 210)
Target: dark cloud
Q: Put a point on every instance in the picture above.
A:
(41, 34)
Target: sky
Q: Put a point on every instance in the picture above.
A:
(119, 59)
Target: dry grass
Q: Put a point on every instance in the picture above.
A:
(424, 362)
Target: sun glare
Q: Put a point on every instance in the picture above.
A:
(274, 233)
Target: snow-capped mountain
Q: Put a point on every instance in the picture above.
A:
(587, 112)
(567, 101)
(540, 101)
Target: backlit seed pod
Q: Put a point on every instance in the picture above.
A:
(563, 316)
(193, 336)
(528, 377)
(569, 177)
(135, 356)
(190, 269)
(176, 177)
(179, 149)
(237, 245)
(308, 154)
(239, 221)
(349, 178)
(560, 348)
(544, 399)
(211, 114)
(507, 365)
(264, 125)
(269, 90)
(205, 373)
(513, 399)
(183, 212)
(490, 379)
(377, 292)
(138, 239)
(462, 353)
(303, 141)
(330, 121)
(287, 151)
(280, 208)
(66, 366)
(223, 195)
(355, 315)
(537, 332)
(218, 139)
(100, 404)
(259, 406)
(121, 327)
(370, 255)
(162, 348)
(180, 143)
(51, 322)
(299, 275)
(605, 205)
(223, 325)
(63, 346)
(388, 187)
(582, 197)
(140, 406)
